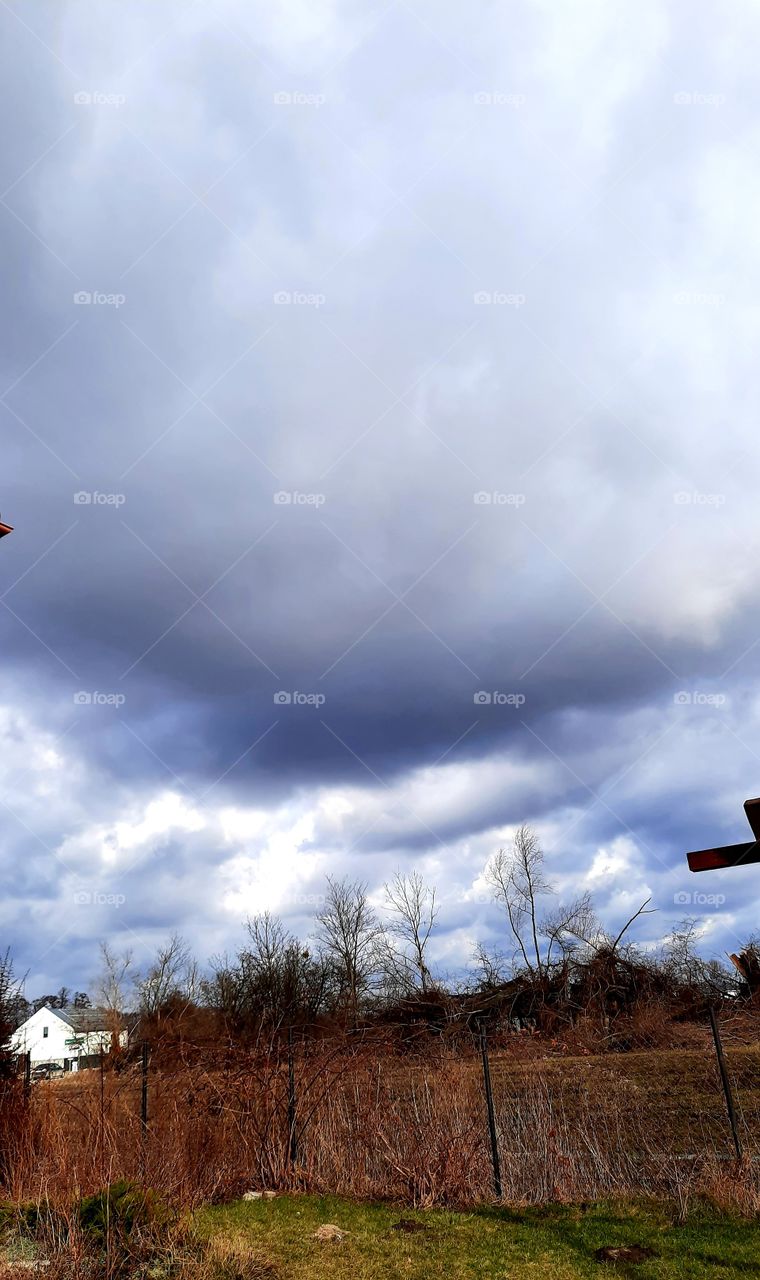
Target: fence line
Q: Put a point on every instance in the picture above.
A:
(355, 1116)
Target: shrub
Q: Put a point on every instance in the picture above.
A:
(119, 1210)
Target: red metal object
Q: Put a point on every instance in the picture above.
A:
(731, 855)
(5, 528)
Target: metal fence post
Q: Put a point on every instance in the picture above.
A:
(144, 1093)
(292, 1139)
(726, 1082)
(491, 1115)
(144, 1111)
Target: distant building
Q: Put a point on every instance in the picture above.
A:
(73, 1038)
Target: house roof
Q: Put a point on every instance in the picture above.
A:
(84, 1019)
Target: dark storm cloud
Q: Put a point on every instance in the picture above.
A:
(483, 314)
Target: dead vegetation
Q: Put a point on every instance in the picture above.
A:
(364, 1120)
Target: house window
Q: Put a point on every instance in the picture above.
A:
(44, 1033)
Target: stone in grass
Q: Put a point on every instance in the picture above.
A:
(329, 1232)
(259, 1195)
(625, 1253)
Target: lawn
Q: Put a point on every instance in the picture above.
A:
(558, 1241)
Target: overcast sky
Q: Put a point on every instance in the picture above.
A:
(379, 419)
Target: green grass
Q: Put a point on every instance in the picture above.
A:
(487, 1244)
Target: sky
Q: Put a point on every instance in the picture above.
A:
(378, 398)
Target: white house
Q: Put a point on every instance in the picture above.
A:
(70, 1037)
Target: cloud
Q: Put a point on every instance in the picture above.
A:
(381, 263)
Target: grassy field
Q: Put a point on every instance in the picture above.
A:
(556, 1241)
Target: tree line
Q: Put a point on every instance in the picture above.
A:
(555, 963)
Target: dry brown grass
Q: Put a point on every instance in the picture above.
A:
(375, 1125)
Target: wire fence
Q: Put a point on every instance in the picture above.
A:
(510, 1117)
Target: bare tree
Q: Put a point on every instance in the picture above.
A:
(571, 928)
(681, 961)
(490, 968)
(349, 934)
(167, 976)
(112, 984)
(285, 981)
(413, 915)
(517, 881)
